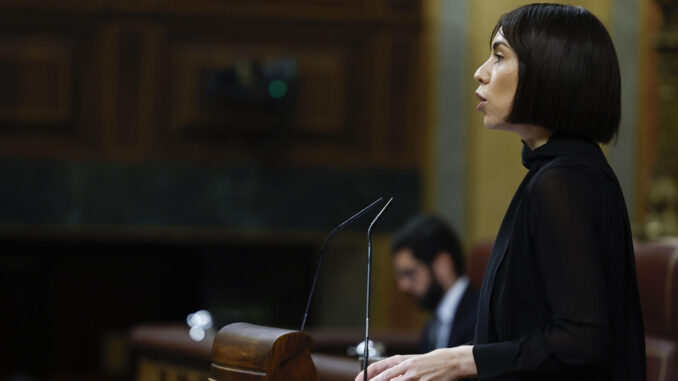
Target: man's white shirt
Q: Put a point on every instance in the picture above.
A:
(447, 308)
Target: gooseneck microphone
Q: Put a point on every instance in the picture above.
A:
(366, 352)
(339, 228)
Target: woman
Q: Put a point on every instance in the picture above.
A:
(559, 299)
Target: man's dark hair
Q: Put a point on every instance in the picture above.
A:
(427, 236)
(568, 73)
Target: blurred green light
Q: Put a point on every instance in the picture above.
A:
(277, 88)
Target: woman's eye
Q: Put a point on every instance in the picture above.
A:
(499, 57)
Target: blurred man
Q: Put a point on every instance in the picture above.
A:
(429, 266)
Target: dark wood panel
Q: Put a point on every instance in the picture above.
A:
(193, 87)
(36, 74)
(334, 9)
(406, 8)
(238, 88)
(380, 11)
(220, 100)
(392, 12)
(86, 5)
(48, 98)
(129, 88)
(405, 134)
(52, 4)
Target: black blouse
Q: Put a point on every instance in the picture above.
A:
(559, 299)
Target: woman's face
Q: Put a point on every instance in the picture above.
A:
(498, 78)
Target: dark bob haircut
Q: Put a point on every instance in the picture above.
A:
(568, 74)
(427, 236)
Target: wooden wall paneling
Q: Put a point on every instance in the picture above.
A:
(321, 121)
(353, 57)
(129, 89)
(109, 85)
(137, 86)
(405, 133)
(131, 80)
(370, 11)
(303, 9)
(48, 5)
(48, 102)
(405, 11)
(323, 91)
(37, 78)
(134, 6)
(379, 97)
(396, 98)
(149, 95)
(85, 5)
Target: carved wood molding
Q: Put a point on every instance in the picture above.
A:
(86, 84)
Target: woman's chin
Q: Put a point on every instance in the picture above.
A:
(489, 123)
(494, 124)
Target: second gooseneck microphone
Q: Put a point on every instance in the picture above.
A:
(366, 353)
(339, 228)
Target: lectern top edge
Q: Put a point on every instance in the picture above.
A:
(258, 348)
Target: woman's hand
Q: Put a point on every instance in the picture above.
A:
(446, 364)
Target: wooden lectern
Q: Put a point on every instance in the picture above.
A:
(248, 352)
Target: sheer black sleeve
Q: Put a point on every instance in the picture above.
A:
(562, 225)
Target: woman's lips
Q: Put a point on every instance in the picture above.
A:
(482, 101)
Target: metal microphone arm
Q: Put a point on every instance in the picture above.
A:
(369, 278)
(339, 228)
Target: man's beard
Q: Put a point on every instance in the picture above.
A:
(432, 297)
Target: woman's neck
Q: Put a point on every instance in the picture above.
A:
(533, 135)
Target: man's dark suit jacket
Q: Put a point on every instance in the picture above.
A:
(463, 323)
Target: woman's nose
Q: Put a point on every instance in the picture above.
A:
(481, 75)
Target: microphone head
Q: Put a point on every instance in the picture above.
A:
(376, 218)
